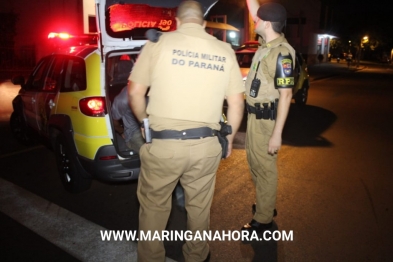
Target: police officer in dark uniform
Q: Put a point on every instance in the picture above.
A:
(268, 95)
(189, 73)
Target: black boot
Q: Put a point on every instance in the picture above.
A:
(255, 226)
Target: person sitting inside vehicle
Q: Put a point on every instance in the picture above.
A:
(130, 130)
(122, 70)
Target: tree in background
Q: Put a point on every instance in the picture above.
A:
(354, 19)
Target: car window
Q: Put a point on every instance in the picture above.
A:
(37, 79)
(74, 75)
(53, 79)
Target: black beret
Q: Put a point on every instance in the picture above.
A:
(272, 12)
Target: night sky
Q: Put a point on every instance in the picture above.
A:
(363, 17)
(349, 19)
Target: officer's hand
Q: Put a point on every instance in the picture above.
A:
(274, 144)
(229, 149)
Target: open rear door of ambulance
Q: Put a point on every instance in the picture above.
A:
(123, 24)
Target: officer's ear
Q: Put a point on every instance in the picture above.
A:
(269, 25)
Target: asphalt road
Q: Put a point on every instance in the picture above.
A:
(334, 193)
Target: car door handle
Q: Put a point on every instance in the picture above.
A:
(33, 100)
(51, 104)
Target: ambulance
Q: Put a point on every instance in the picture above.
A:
(66, 100)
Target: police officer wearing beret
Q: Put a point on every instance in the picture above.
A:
(189, 73)
(268, 96)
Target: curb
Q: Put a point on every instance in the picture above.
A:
(312, 79)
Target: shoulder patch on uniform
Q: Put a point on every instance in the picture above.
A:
(286, 64)
(284, 71)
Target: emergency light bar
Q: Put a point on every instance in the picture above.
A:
(66, 39)
(59, 35)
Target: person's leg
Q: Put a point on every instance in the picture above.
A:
(136, 141)
(179, 195)
(262, 167)
(251, 139)
(198, 183)
(161, 168)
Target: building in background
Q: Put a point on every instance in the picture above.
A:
(89, 17)
(306, 27)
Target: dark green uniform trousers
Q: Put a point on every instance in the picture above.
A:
(263, 166)
(163, 163)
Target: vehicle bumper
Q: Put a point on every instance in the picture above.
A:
(111, 170)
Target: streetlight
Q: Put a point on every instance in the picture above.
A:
(363, 40)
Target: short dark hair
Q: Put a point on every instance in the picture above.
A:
(272, 12)
(278, 26)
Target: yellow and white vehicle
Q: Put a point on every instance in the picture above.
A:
(67, 98)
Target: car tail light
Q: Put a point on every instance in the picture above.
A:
(93, 106)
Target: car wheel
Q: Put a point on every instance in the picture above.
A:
(19, 129)
(302, 95)
(69, 168)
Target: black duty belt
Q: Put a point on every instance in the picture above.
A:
(194, 133)
(265, 112)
